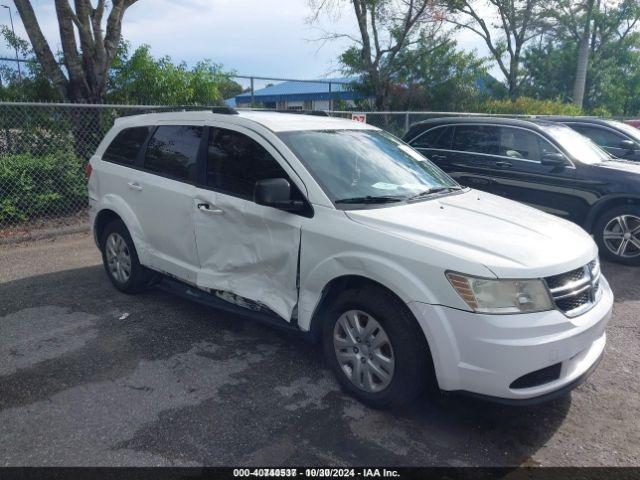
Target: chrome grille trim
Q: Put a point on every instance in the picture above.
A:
(574, 292)
(577, 291)
(571, 286)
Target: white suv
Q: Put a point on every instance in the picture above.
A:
(339, 230)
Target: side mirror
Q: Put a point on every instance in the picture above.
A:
(553, 160)
(276, 193)
(628, 144)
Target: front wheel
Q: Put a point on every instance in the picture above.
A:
(376, 348)
(617, 233)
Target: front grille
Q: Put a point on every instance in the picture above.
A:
(564, 278)
(575, 292)
(571, 303)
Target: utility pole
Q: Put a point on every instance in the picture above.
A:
(15, 46)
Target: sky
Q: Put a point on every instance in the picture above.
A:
(252, 37)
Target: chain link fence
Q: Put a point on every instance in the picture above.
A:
(44, 149)
(399, 122)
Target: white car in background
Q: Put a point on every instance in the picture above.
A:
(339, 230)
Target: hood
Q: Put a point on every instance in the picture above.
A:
(623, 166)
(510, 239)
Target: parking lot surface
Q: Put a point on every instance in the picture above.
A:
(90, 376)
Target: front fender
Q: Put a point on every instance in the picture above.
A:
(407, 286)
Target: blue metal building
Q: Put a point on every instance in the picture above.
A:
(293, 95)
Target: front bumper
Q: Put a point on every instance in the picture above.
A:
(485, 354)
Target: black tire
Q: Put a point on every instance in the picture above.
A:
(139, 277)
(599, 230)
(413, 370)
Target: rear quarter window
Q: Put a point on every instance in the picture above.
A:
(124, 148)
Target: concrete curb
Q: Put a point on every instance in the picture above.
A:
(45, 233)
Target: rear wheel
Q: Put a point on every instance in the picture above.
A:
(376, 348)
(617, 233)
(120, 259)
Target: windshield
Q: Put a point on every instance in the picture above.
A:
(366, 164)
(630, 130)
(579, 146)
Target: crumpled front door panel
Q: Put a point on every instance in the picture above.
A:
(248, 249)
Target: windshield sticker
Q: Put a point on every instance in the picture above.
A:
(385, 186)
(415, 186)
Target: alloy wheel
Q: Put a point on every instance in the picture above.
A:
(363, 351)
(118, 257)
(622, 236)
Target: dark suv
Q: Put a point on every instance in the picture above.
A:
(617, 138)
(546, 165)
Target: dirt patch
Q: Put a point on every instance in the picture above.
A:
(45, 228)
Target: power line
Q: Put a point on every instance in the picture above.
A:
(17, 60)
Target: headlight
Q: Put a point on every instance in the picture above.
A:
(485, 295)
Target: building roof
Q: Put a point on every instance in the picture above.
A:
(301, 91)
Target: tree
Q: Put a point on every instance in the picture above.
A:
(436, 75)
(516, 24)
(86, 67)
(385, 29)
(141, 79)
(612, 79)
(32, 84)
(590, 24)
(583, 57)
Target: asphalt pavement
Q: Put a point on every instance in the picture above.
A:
(90, 376)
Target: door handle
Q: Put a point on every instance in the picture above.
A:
(135, 186)
(504, 164)
(211, 210)
(438, 158)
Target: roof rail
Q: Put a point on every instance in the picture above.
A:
(318, 113)
(225, 110)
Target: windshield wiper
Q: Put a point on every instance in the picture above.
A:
(370, 199)
(431, 191)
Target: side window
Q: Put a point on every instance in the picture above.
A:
(236, 162)
(601, 136)
(476, 138)
(125, 147)
(173, 151)
(522, 144)
(439, 137)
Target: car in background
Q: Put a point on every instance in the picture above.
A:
(546, 165)
(617, 138)
(635, 122)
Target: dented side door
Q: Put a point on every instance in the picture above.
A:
(244, 248)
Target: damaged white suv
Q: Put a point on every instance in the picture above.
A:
(339, 230)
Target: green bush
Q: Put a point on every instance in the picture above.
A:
(35, 186)
(601, 112)
(529, 106)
